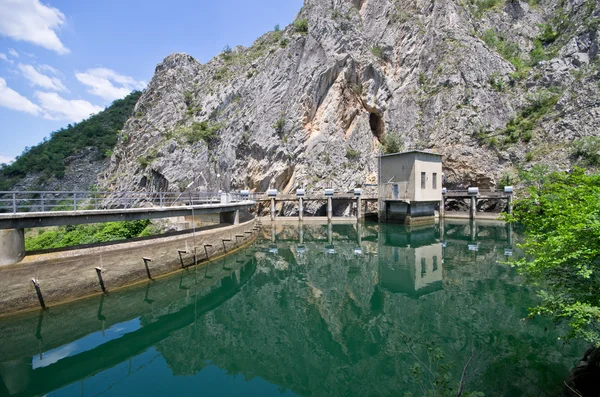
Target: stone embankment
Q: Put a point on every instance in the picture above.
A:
(70, 275)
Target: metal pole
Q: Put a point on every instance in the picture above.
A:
(36, 284)
(473, 212)
(300, 208)
(42, 200)
(329, 209)
(14, 200)
(74, 201)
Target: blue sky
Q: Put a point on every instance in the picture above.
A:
(62, 60)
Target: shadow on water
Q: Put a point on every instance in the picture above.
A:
(331, 310)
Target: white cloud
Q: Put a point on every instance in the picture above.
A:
(12, 52)
(108, 84)
(5, 159)
(32, 21)
(3, 57)
(11, 99)
(50, 69)
(41, 80)
(59, 108)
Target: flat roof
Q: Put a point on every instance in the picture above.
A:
(412, 151)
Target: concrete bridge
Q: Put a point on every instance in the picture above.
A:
(20, 210)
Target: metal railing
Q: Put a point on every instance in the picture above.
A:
(488, 193)
(46, 201)
(312, 195)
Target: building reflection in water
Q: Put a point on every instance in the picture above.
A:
(411, 261)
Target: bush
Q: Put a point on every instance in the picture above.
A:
(301, 25)
(522, 126)
(67, 236)
(548, 35)
(587, 149)
(352, 154)
(391, 143)
(377, 51)
(202, 131)
(279, 125)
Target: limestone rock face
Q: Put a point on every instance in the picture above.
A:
(310, 108)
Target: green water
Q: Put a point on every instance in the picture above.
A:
(322, 310)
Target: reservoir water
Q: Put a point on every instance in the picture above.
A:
(318, 310)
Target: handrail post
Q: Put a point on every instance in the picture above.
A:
(14, 200)
(74, 201)
(42, 200)
(125, 201)
(160, 195)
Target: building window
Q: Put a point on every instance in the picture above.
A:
(423, 182)
(434, 182)
(423, 267)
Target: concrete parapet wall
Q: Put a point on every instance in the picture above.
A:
(70, 275)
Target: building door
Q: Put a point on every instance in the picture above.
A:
(395, 191)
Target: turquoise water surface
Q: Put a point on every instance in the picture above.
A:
(313, 310)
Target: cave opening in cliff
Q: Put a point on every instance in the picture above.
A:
(376, 123)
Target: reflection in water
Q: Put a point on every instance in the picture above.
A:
(331, 310)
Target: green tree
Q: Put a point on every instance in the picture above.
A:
(562, 221)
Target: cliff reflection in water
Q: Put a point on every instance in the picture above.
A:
(332, 310)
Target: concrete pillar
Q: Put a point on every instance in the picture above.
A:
(273, 210)
(509, 204)
(300, 208)
(473, 209)
(12, 246)
(359, 214)
(443, 207)
(329, 209)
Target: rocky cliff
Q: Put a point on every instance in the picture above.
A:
(493, 85)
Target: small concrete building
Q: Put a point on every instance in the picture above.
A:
(410, 186)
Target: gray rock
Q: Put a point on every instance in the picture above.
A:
(291, 107)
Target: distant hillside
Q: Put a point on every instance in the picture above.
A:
(49, 160)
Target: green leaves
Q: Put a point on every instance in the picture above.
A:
(562, 221)
(88, 234)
